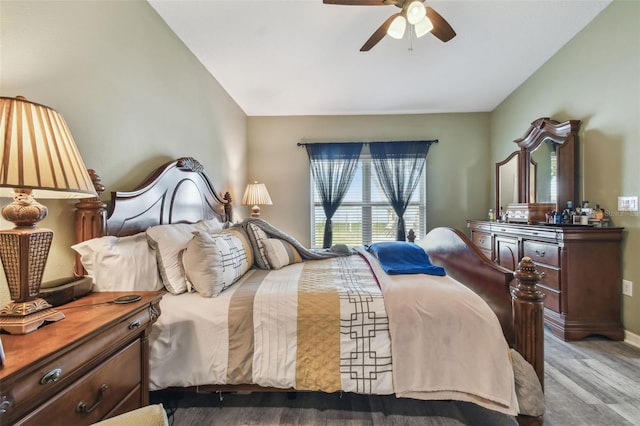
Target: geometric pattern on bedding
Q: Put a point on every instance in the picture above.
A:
(341, 294)
(367, 363)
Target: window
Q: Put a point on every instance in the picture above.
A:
(365, 215)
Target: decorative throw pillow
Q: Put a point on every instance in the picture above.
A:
(168, 241)
(213, 262)
(280, 253)
(257, 237)
(120, 264)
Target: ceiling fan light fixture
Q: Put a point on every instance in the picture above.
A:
(397, 27)
(416, 12)
(423, 27)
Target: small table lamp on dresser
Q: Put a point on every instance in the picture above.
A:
(38, 159)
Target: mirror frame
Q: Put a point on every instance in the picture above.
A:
(499, 165)
(565, 135)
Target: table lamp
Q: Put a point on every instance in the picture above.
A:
(38, 159)
(256, 194)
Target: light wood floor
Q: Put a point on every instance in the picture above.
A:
(591, 382)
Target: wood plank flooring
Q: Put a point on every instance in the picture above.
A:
(593, 382)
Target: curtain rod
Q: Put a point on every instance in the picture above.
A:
(365, 143)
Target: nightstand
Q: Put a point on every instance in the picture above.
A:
(92, 365)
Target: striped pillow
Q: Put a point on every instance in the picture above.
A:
(257, 237)
(280, 253)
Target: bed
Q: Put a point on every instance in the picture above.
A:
(263, 321)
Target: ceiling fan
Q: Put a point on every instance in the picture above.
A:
(423, 19)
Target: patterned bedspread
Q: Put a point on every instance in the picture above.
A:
(318, 325)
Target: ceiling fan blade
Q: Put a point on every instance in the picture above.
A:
(357, 2)
(378, 34)
(441, 27)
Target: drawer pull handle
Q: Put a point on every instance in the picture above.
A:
(51, 376)
(481, 240)
(82, 406)
(5, 403)
(540, 253)
(135, 324)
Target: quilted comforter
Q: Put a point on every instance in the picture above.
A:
(324, 325)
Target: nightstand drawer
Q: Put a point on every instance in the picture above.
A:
(542, 253)
(95, 394)
(49, 379)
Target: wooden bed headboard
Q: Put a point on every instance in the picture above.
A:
(178, 191)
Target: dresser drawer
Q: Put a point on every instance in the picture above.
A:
(551, 277)
(93, 396)
(50, 378)
(482, 240)
(552, 300)
(542, 252)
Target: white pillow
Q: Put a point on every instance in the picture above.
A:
(120, 264)
(213, 262)
(168, 241)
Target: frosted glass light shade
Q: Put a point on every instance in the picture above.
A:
(397, 27)
(423, 27)
(416, 12)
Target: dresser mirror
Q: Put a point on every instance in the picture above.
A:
(507, 181)
(546, 166)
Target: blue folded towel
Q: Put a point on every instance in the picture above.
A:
(399, 257)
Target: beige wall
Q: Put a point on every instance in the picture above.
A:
(594, 78)
(457, 174)
(133, 95)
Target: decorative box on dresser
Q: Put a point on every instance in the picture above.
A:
(91, 365)
(581, 266)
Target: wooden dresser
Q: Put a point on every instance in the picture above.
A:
(582, 267)
(91, 365)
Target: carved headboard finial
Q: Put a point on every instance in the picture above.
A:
(97, 182)
(190, 163)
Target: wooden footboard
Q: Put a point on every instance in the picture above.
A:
(519, 308)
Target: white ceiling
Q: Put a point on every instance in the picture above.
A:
(302, 57)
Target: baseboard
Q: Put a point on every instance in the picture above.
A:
(632, 339)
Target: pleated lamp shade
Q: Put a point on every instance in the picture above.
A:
(39, 153)
(255, 195)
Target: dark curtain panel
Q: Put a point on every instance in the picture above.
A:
(398, 166)
(333, 166)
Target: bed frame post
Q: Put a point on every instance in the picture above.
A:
(228, 211)
(528, 313)
(91, 219)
